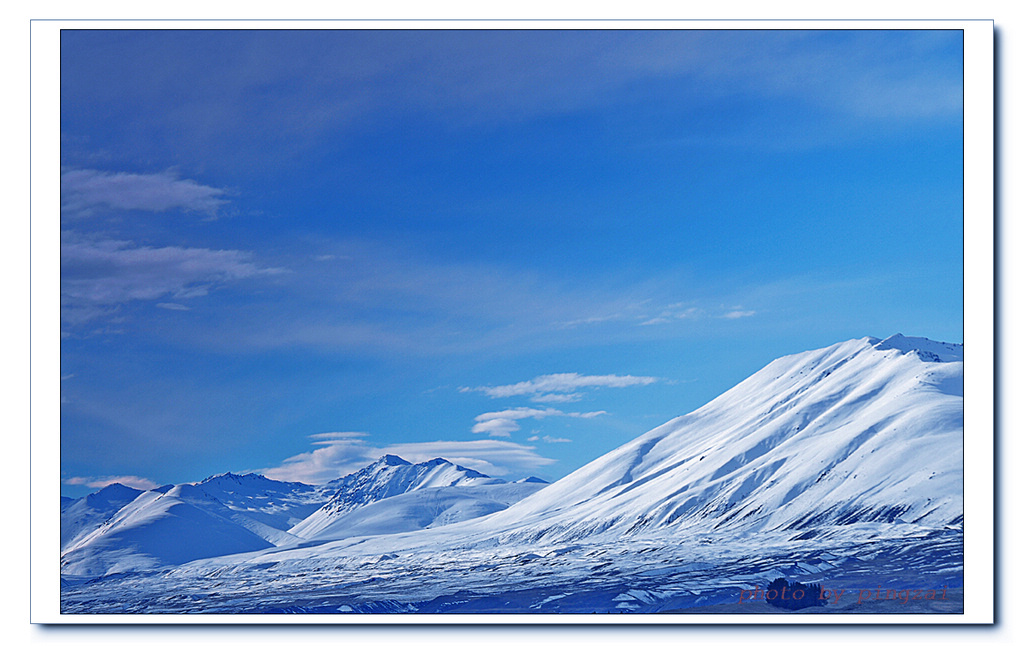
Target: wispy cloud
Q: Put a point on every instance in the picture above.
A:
(673, 312)
(129, 480)
(263, 85)
(173, 306)
(388, 299)
(332, 459)
(504, 423)
(339, 454)
(98, 275)
(493, 457)
(393, 298)
(677, 312)
(547, 438)
(328, 438)
(84, 192)
(561, 387)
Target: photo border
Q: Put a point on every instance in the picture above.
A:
(979, 323)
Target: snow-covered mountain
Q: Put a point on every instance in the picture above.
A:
(157, 529)
(862, 434)
(220, 515)
(278, 504)
(424, 508)
(89, 512)
(456, 493)
(122, 529)
(843, 463)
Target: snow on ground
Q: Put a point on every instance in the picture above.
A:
(657, 576)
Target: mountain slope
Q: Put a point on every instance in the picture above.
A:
(156, 529)
(277, 504)
(862, 432)
(122, 529)
(220, 515)
(424, 508)
(89, 512)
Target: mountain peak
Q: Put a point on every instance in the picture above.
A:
(114, 492)
(927, 349)
(116, 489)
(236, 478)
(392, 460)
(388, 476)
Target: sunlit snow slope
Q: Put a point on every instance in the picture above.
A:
(83, 515)
(388, 496)
(157, 529)
(861, 434)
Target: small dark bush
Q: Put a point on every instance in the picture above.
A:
(793, 597)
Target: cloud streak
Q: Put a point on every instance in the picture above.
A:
(132, 481)
(339, 454)
(300, 89)
(561, 387)
(85, 192)
(677, 312)
(98, 275)
(504, 423)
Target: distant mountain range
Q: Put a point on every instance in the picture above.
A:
(120, 529)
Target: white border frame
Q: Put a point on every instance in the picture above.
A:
(979, 318)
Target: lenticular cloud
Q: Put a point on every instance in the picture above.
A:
(548, 387)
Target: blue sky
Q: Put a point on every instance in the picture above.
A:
(294, 251)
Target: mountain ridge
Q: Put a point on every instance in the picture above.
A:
(385, 479)
(121, 529)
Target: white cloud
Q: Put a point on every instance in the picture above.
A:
(503, 423)
(83, 192)
(332, 459)
(335, 458)
(592, 320)
(98, 275)
(335, 437)
(676, 312)
(141, 483)
(547, 438)
(171, 306)
(561, 387)
(492, 457)
(556, 398)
